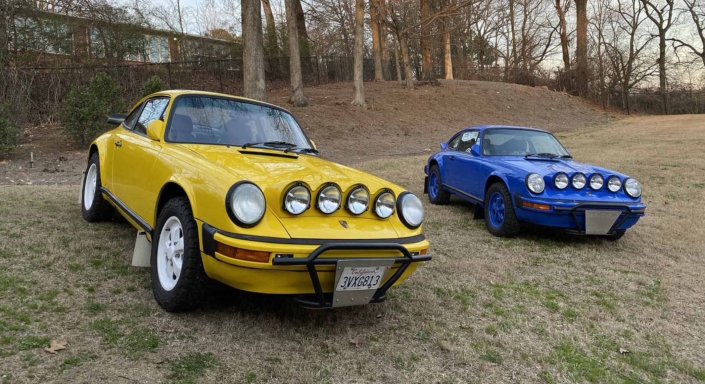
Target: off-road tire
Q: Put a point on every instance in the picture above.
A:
(443, 197)
(190, 289)
(100, 210)
(510, 227)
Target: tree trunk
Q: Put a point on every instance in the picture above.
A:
(298, 99)
(359, 99)
(271, 46)
(512, 23)
(524, 40)
(662, 72)
(564, 34)
(396, 61)
(376, 44)
(447, 57)
(581, 47)
(426, 48)
(407, 60)
(385, 51)
(304, 44)
(252, 51)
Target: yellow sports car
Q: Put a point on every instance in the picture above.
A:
(231, 189)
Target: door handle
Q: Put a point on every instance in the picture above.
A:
(118, 143)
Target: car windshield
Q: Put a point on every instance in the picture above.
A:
(216, 120)
(521, 142)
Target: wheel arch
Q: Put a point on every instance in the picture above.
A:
(169, 191)
(493, 178)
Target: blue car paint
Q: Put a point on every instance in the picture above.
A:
(468, 176)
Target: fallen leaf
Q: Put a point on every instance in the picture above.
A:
(356, 342)
(56, 346)
(623, 351)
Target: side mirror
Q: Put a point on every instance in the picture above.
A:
(314, 144)
(116, 118)
(444, 145)
(475, 149)
(154, 129)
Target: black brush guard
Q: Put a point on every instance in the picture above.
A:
(320, 299)
(625, 208)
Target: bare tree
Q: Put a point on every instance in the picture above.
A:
(447, 54)
(697, 14)
(376, 41)
(662, 17)
(271, 45)
(427, 71)
(359, 99)
(581, 51)
(253, 51)
(298, 99)
(562, 7)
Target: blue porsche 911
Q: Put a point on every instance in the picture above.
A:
(517, 175)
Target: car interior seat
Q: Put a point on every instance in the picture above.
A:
(238, 131)
(181, 129)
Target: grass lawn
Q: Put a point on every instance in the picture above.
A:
(543, 307)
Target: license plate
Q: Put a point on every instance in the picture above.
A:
(600, 222)
(360, 278)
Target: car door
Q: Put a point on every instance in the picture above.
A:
(466, 163)
(134, 158)
(449, 173)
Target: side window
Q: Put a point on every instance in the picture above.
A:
(153, 110)
(453, 144)
(467, 140)
(130, 119)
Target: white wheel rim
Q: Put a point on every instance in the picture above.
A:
(170, 254)
(89, 186)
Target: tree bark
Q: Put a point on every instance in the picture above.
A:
(564, 33)
(396, 61)
(663, 89)
(271, 47)
(581, 47)
(376, 44)
(252, 51)
(298, 99)
(512, 23)
(359, 99)
(447, 56)
(304, 44)
(426, 48)
(407, 61)
(385, 51)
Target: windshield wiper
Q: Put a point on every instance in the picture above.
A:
(272, 144)
(566, 157)
(542, 154)
(308, 150)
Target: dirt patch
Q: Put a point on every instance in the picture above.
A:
(398, 123)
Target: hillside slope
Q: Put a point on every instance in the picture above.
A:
(400, 122)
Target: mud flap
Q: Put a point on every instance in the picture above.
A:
(143, 251)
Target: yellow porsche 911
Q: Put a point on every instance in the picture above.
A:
(231, 189)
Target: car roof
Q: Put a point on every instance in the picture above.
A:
(485, 127)
(181, 92)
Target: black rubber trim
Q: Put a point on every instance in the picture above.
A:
(401, 212)
(280, 240)
(208, 235)
(230, 212)
(244, 152)
(347, 199)
(134, 216)
(318, 196)
(463, 193)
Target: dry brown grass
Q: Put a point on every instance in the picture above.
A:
(540, 308)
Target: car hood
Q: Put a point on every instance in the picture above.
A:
(549, 167)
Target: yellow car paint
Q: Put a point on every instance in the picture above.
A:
(136, 170)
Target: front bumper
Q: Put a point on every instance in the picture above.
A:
(571, 214)
(305, 267)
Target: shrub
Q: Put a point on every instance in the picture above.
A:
(9, 132)
(153, 84)
(86, 108)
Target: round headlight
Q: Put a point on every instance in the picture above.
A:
(297, 199)
(561, 181)
(579, 181)
(614, 184)
(384, 205)
(410, 209)
(596, 181)
(358, 200)
(245, 204)
(632, 188)
(329, 199)
(535, 183)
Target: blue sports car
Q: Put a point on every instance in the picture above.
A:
(517, 175)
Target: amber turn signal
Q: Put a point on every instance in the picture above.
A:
(543, 207)
(242, 254)
(423, 251)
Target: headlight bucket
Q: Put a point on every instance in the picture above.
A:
(245, 204)
(561, 180)
(579, 180)
(534, 183)
(632, 188)
(614, 184)
(385, 204)
(410, 209)
(329, 199)
(297, 199)
(596, 181)
(358, 200)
